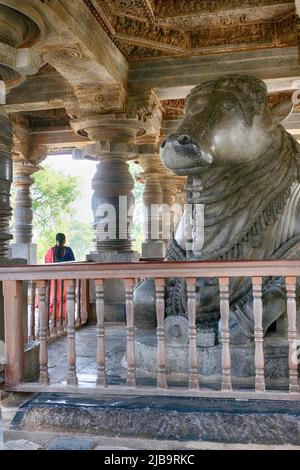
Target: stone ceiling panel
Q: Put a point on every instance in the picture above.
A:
(191, 27)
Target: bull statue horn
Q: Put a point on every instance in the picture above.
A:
(281, 111)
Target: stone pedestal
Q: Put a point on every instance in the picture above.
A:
(210, 360)
(26, 251)
(153, 249)
(114, 293)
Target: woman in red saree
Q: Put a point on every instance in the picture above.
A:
(57, 254)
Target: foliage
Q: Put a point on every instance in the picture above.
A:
(52, 196)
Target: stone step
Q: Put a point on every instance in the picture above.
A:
(164, 418)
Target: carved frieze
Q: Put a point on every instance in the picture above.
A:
(144, 29)
(181, 7)
(279, 32)
(132, 8)
(173, 109)
(149, 34)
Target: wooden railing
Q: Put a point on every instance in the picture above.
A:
(13, 277)
(55, 305)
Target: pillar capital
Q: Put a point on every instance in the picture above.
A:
(121, 127)
(105, 150)
(17, 31)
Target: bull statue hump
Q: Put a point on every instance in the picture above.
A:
(232, 145)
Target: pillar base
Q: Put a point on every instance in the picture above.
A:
(114, 293)
(153, 249)
(26, 251)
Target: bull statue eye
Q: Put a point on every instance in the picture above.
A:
(228, 105)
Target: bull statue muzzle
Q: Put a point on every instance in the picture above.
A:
(182, 154)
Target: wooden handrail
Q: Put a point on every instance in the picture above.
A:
(144, 269)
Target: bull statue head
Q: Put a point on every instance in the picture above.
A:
(227, 120)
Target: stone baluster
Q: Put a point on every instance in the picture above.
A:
(101, 368)
(292, 333)
(72, 376)
(258, 335)
(225, 335)
(193, 355)
(160, 333)
(130, 349)
(43, 331)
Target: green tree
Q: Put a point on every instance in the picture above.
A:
(52, 196)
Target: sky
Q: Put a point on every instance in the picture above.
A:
(85, 169)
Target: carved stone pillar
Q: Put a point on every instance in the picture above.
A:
(6, 141)
(153, 247)
(172, 210)
(23, 246)
(113, 200)
(112, 204)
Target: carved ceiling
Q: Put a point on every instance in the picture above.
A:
(144, 29)
(174, 109)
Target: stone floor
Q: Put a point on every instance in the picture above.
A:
(86, 346)
(35, 440)
(86, 369)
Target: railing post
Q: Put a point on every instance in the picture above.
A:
(32, 296)
(225, 335)
(101, 369)
(160, 333)
(60, 322)
(78, 302)
(54, 308)
(14, 332)
(130, 349)
(84, 298)
(258, 335)
(193, 354)
(43, 332)
(72, 376)
(292, 332)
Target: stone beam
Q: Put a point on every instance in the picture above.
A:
(109, 62)
(58, 138)
(173, 78)
(40, 92)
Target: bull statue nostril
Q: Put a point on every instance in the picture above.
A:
(163, 143)
(184, 139)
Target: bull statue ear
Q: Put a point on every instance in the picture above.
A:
(281, 111)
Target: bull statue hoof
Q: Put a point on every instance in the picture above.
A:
(145, 305)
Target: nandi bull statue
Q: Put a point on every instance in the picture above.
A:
(244, 168)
